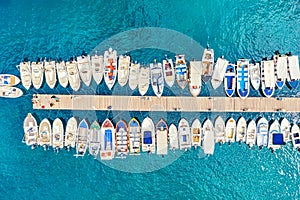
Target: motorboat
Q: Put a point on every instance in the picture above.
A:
(84, 68)
(50, 73)
(122, 139)
(148, 136)
(230, 130)
(181, 71)
(73, 74)
(267, 78)
(30, 131)
(71, 133)
(25, 73)
(195, 82)
(293, 71)
(82, 138)
(275, 136)
(134, 71)
(9, 80)
(62, 74)
(251, 134)
(243, 82)
(173, 137)
(169, 72)
(208, 142)
(196, 133)
(123, 70)
(144, 78)
(108, 141)
(241, 130)
(157, 79)
(229, 80)
(134, 137)
(57, 135)
(45, 134)
(184, 134)
(162, 137)
(10, 92)
(110, 67)
(207, 64)
(254, 73)
(94, 140)
(262, 132)
(97, 63)
(219, 129)
(219, 72)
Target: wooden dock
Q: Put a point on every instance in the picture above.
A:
(167, 103)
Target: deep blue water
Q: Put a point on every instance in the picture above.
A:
(39, 28)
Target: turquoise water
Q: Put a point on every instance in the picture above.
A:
(252, 29)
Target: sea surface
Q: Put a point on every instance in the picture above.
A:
(64, 28)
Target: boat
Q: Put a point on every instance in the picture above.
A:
(157, 78)
(267, 77)
(45, 134)
(295, 132)
(169, 73)
(241, 130)
(286, 130)
(251, 134)
(144, 78)
(50, 73)
(219, 72)
(10, 92)
(275, 136)
(293, 71)
(207, 64)
(30, 131)
(134, 137)
(110, 67)
(173, 137)
(71, 133)
(230, 130)
(196, 133)
(94, 139)
(134, 71)
(82, 138)
(37, 73)
(62, 74)
(262, 132)
(208, 142)
(97, 63)
(254, 73)
(25, 73)
(84, 68)
(195, 82)
(108, 144)
(181, 71)
(219, 129)
(184, 134)
(123, 70)
(243, 82)
(148, 136)
(122, 139)
(281, 72)
(9, 80)
(229, 80)
(57, 135)
(73, 74)
(162, 137)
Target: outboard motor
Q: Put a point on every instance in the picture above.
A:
(45, 147)
(33, 146)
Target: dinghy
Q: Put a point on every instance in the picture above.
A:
(71, 133)
(219, 129)
(251, 134)
(230, 130)
(50, 73)
(30, 131)
(157, 79)
(208, 138)
(293, 71)
(241, 129)
(207, 64)
(9, 80)
(181, 71)
(173, 137)
(37, 73)
(281, 72)
(169, 72)
(219, 72)
(10, 92)
(229, 80)
(262, 132)
(122, 139)
(97, 63)
(144, 80)
(62, 73)
(148, 136)
(84, 68)
(94, 139)
(267, 77)
(254, 72)
(82, 138)
(108, 141)
(57, 135)
(45, 134)
(25, 73)
(73, 74)
(285, 129)
(243, 83)
(196, 133)
(123, 69)
(195, 82)
(295, 132)
(134, 137)
(134, 71)
(184, 134)
(275, 136)
(162, 137)
(110, 67)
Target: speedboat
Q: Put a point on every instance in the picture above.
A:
(123, 69)
(281, 72)
(229, 80)
(251, 134)
(208, 138)
(82, 138)
(286, 130)
(37, 73)
(195, 82)
(241, 129)
(196, 133)
(295, 132)
(275, 136)
(157, 79)
(243, 84)
(169, 72)
(230, 130)
(134, 137)
(50, 73)
(219, 72)
(254, 72)
(110, 67)
(267, 77)
(207, 64)
(10, 92)
(181, 71)
(57, 135)
(9, 80)
(84, 68)
(293, 71)
(148, 136)
(62, 74)
(173, 137)
(97, 63)
(25, 73)
(45, 134)
(184, 134)
(144, 80)
(108, 142)
(262, 132)
(162, 137)
(73, 74)
(122, 139)
(219, 128)
(95, 139)
(30, 131)
(134, 71)
(71, 133)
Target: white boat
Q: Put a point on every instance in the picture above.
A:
(134, 137)
(230, 130)
(148, 136)
(62, 73)
(157, 78)
(207, 64)
(30, 131)
(293, 71)
(281, 71)
(37, 73)
(184, 134)
(108, 141)
(162, 137)
(71, 133)
(134, 71)
(262, 132)
(219, 72)
(123, 70)
(144, 80)
(73, 74)
(243, 82)
(275, 136)
(229, 80)
(196, 133)
(94, 139)
(10, 92)
(84, 68)
(219, 129)
(286, 130)
(251, 134)
(25, 73)
(267, 78)
(9, 80)
(57, 135)
(110, 67)
(97, 63)
(241, 129)
(195, 82)
(181, 71)
(45, 134)
(254, 72)
(122, 139)
(173, 137)
(208, 138)
(169, 72)
(82, 138)
(295, 132)
(50, 73)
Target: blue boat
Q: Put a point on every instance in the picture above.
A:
(229, 80)
(294, 71)
(82, 138)
(267, 77)
(243, 78)
(275, 136)
(181, 71)
(107, 150)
